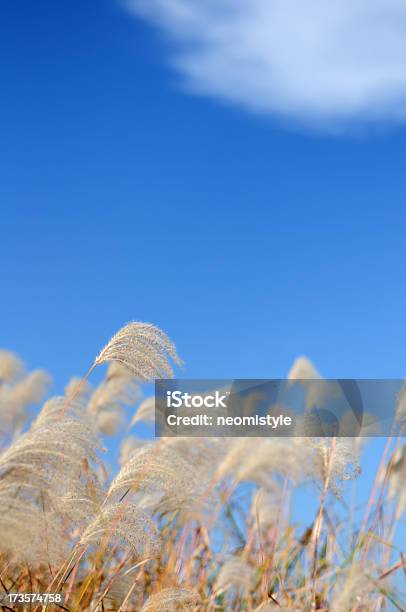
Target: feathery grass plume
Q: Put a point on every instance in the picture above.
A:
(317, 390)
(32, 388)
(155, 470)
(142, 348)
(145, 412)
(344, 465)
(199, 496)
(302, 369)
(78, 389)
(11, 367)
(165, 476)
(106, 404)
(127, 525)
(109, 422)
(264, 508)
(52, 411)
(259, 459)
(128, 446)
(80, 504)
(235, 574)
(49, 470)
(16, 397)
(28, 534)
(356, 590)
(397, 479)
(201, 453)
(172, 600)
(11, 415)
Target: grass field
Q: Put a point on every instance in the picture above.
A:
(185, 523)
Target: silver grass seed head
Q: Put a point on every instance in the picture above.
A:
(302, 369)
(114, 392)
(235, 573)
(145, 412)
(30, 535)
(109, 422)
(128, 446)
(164, 475)
(106, 403)
(318, 391)
(258, 459)
(57, 408)
(82, 502)
(79, 389)
(264, 508)
(203, 453)
(17, 396)
(46, 461)
(55, 458)
(32, 388)
(354, 590)
(143, 349)
(124, 524)
(11, 367)
(339, 463)
(172, 600)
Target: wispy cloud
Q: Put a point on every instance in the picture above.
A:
(310, 60)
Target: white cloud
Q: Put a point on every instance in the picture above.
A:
(311, 60)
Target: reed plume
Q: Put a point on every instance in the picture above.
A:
(18, 391)
(235, 574)
(171, 600)
(142, 348)
(128, 446)
(145, 412)
(118, 390)
(40, 471)
(127, 525)
(11, 367)
(169, 481)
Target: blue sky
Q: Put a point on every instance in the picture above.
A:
(248, 239)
